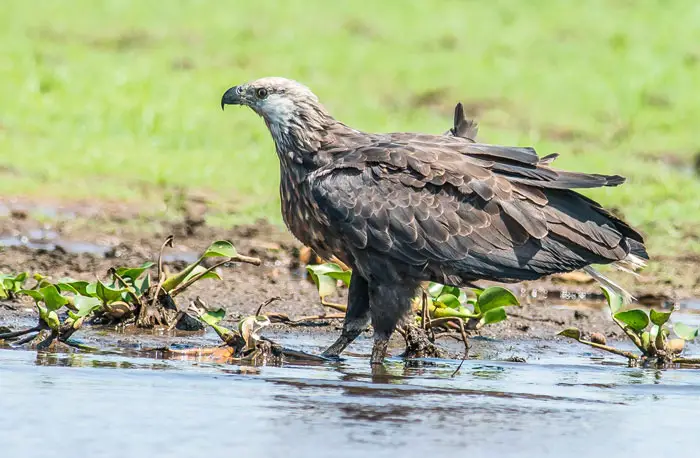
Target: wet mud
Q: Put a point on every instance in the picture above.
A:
(69, 247)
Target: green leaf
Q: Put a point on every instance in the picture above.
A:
(34, 294)
(571, 333)
(449, 300)
(659, 318)
(493, 316)
(615, 301)
(66, 288)
(198, 270)
(464, 298)
(107, 294)
(449, 289)
(143, 284)
(212, 317)
(133, 273)
(323, 275)
(684, 331)
(636, 319)
(12, 283)
(86, 305)
(52, 298)
(324, 269)
(495, 297)
(343, 276)
(435, 289)
(447, 312)
(91, 289)
(325, 284)
(68, 285)
(220, 248)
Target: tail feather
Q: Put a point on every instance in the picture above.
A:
(627, 298)
(632, 263)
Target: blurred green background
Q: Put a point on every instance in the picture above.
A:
(119, 100)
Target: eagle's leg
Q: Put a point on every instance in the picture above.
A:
(356, 316)
(388, 303)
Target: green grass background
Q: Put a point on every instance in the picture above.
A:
(119, 100)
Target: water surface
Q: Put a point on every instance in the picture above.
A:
(563, 401)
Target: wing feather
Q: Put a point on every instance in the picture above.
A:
(443, 207)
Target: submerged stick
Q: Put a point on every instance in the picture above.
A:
(80, 346)
(609, 349)
(452, 335)
(686, 360)
(13, 334)
(284, 318)
(26, 339)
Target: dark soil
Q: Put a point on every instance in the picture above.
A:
(547, 305)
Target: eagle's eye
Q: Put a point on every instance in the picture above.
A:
(261, 93)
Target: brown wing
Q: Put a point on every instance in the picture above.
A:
(449, 212)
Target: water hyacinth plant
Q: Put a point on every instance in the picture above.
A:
(649, 331)
(444, 303)
(129, 295)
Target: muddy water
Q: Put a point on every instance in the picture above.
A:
(564, 400)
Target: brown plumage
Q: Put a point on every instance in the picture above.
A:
(402, 208)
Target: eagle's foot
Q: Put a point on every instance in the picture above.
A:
(379, 350)
(345, 339)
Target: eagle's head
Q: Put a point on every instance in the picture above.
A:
(280, 101)
(298, 123)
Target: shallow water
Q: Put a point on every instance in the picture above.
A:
(564, 400)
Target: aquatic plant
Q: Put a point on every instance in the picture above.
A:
(10, 284)
(443, 303)
(128, 295)
(242, 343)
(447, 309)
(649, 331)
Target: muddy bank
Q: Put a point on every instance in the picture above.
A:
(74, 248)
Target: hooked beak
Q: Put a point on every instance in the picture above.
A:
(231, 97)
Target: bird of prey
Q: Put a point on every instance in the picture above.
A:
(402, 208)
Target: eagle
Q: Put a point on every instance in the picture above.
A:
(404, 208)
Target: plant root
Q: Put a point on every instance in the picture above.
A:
(419, 345)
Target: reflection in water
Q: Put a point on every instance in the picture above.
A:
(174, 408)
